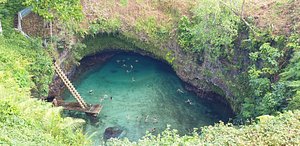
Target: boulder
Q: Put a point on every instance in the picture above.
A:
(113, 132)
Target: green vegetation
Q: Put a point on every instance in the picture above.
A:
(157, 33)
(65, 10)
(261, 68)
(102, 25)
(268, 130)
(25, 120)
(37, 62)
(291, 76)
(26, 71)
(271, 86)
(266, 96)
(169, 57)
(100, 42)
(1, 15)
(213, 28)
(216, 30)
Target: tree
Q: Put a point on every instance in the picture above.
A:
(213, 27)
(291, 75)
(267, 95)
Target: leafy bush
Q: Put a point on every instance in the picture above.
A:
(291, 76)
(213, 27)
(38, 63)
(24, 120)
(185, 36)
(103, 25)
(156, 32)
(64, 10)
(283, 129)
(272, 88)
(266, 96)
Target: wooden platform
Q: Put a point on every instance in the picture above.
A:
(93, 110)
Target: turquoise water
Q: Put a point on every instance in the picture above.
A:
(146, 94)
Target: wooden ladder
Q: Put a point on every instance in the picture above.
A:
(70, 86)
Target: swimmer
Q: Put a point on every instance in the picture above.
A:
(179, 90)
(155, 120)
(152, 130)
(91, 91)
(132, 79)
(188, 101)
(105, 96)
(146, 119)
(110, 98)
(101, 99)
(124, 65)
(127, 71)
(131, 66)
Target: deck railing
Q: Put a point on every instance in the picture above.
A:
(23, 13)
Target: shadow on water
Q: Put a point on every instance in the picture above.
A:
(146, 96)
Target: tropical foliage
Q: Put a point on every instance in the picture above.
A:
(216, 30)
(24, 120)
(272, 88)
(65, 10)
(268, 130)
(214, 27)
(291, 76)
(272, 72)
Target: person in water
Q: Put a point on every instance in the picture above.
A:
(155, 120)
(146, 119)
(110, 97)
(101, 99)
(105, 96)
(152, 130)
(189, 101)
(179, 90)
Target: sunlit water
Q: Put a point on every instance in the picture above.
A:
(146, 94)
